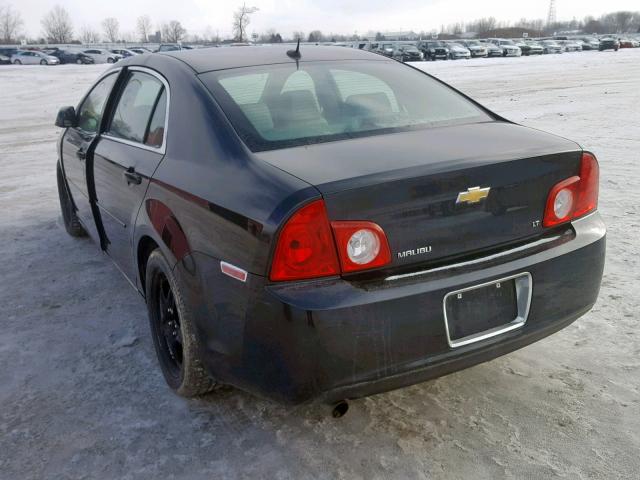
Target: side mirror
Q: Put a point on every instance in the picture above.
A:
(66, 117)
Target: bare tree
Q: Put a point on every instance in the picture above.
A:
(298, 36)
(210, 36)
(57, 26)
(10, 24)
(315, 36)
(241, 19)
(623, 21)
(88, 35)
(144, 27)
(111, 27)
(173, 32)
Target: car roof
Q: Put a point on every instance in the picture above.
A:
(207, 59)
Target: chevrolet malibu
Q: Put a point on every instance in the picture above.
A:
(326, 223)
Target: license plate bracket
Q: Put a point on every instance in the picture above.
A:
(483, 311)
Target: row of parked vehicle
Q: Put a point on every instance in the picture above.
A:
(407, 51)
(80, 56)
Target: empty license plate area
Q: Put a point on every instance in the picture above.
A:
(483, 311)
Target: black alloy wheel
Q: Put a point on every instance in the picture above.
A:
(166, 323)
(173, 329)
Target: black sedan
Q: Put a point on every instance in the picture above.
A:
(434, 50)
(407, 53)
(326, 223)
(5, 60)
(68, 56)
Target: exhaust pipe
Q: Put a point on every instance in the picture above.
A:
(340, 409)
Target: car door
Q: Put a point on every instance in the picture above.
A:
(126, 157)
(95, 54)
(76, 144)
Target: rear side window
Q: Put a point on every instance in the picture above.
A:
(90, 112)
(155, 134)
(136, 103)
(284, 105)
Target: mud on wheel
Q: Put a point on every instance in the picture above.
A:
(172, 330)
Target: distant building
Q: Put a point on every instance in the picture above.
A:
(155, 37)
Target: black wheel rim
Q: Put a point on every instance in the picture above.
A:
(168, 331)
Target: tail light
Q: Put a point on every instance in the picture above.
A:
(361, 245)
(307, 244)
(574, 197)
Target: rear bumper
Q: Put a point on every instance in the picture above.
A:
(333, 339)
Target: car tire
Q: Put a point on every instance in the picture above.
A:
(43, 62)
(79, 61)
(69, 216)
(17, 62)
(173, 330)
(110, 60)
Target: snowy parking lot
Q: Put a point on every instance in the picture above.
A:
(81, 395)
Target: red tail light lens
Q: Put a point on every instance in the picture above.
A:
(361, 245)
(574, 197)
(305, 246)
(589, 184)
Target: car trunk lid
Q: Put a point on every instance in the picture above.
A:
(425, 188)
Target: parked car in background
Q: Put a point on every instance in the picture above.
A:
(509, 47)
(124, 52)
(492, 49)
(551, 46)
(8, 51)
(385, 49)
(371, 47)
(169, 47)
(589, 43)
(458, 51)
(100, 55)
(570, 45)
(69, 56)
(609, 43)
(5, 60)
(406, 52)
(33, 57)
(279, 250)
(529, 47)
(140, 50)
(476, 49)
(626, 43)
(434, 50)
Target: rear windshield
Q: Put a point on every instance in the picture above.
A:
(280, 106)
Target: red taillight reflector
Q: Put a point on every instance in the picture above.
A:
(574, 197)
(589, 184)
(361, 245)
(305, 247)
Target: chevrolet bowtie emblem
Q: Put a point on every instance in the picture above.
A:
(473, 195)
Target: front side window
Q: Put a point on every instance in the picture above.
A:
(279, 106)
(136, 103)
(90, 112)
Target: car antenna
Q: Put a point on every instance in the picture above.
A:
(295, 54)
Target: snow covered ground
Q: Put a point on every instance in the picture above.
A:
(81, 395)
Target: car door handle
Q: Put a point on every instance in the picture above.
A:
(81, 154)
(132, 177)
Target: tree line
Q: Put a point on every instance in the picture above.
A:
(57, 27)
(611, 23)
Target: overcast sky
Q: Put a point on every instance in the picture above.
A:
(330, 16)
